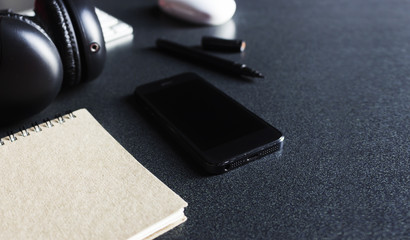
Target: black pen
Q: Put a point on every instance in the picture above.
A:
(204, 58)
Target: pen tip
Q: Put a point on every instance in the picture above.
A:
(257, 74)
(260, 75)
(251, 73)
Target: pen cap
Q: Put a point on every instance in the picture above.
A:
(224, 45)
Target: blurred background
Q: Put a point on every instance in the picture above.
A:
(16, 5)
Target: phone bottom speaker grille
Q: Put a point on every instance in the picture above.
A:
(250, 158)
(270, 150)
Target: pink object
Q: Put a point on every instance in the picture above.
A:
(210, 12)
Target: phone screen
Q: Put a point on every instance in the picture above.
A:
(205, 116)
(217, 130)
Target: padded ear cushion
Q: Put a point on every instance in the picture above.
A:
(25, 19)
(57, 23)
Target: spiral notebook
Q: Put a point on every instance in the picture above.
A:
(68, 178)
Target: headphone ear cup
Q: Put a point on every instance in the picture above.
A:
(76, 30)
(29, 20)
(56, 21)
(31, 72)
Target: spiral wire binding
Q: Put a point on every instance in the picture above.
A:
(24, 132)
(12, 137)
(35, 127)
(48, 123)
(70, 115)
(60, 119)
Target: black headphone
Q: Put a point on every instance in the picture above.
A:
(61, 45)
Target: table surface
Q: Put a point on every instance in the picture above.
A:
(337, 85)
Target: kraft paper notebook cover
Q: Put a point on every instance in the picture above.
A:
(74, 181)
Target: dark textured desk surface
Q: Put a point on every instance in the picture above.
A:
(337, 85)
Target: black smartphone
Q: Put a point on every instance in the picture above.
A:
(216, 130)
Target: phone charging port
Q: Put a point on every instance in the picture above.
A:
(251, 158)
(241, 162)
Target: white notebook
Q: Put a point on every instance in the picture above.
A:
(73, 180)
